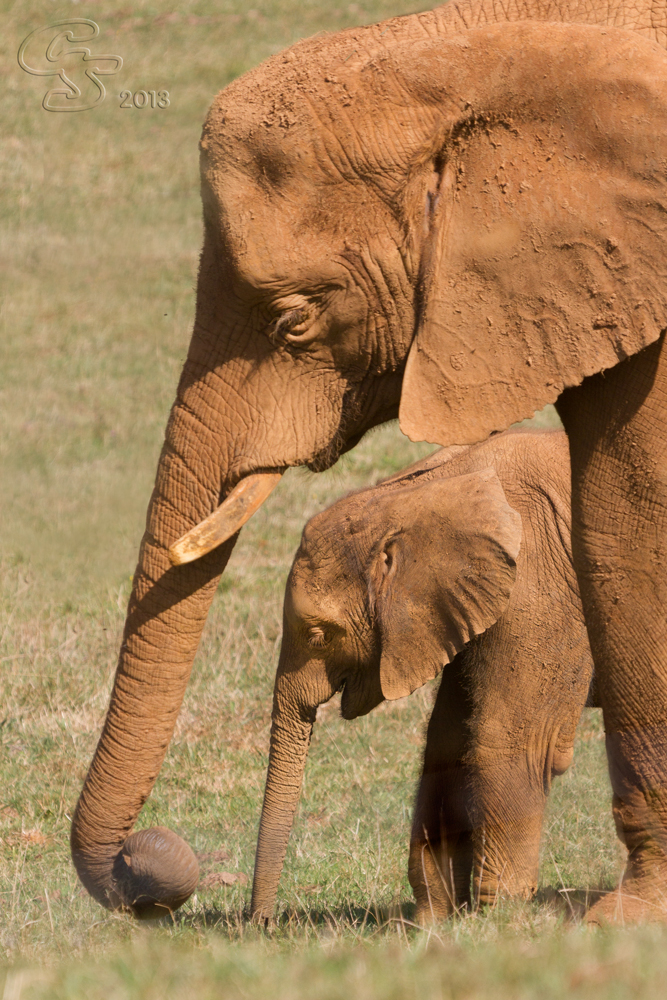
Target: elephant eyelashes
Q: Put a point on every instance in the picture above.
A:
(317, 638)
(287, 326)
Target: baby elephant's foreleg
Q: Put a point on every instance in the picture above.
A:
(441, 845)
(480, 802)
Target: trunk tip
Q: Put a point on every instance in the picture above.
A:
(155, 872)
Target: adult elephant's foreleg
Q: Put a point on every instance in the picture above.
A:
(617, 426)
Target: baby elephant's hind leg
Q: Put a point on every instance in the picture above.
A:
(441, 847)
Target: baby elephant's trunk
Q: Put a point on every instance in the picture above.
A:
(291, 729)
(287, 760)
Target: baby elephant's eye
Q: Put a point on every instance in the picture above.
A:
(317, 637)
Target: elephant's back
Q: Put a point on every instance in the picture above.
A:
(648, 19)
(519, 455)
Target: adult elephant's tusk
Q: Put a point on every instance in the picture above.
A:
(246, 497)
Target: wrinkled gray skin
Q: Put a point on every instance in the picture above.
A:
(390, 584)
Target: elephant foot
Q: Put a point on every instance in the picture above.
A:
(636, 901)
(440, 880)
(641, 896)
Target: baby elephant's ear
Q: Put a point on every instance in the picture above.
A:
(442, 574)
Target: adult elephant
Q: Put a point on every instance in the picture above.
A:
(455, 222)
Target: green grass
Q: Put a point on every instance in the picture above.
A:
(99, 236)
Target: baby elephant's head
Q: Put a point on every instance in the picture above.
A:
(390, 583)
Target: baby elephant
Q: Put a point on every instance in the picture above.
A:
(463, 561)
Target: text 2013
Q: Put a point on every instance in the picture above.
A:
(144, 99)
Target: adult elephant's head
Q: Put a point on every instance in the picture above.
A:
(488, 209)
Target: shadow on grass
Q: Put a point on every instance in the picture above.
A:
(348, 920)
(568, 906)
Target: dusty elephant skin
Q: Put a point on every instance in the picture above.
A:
(454, 217)
(463, 561)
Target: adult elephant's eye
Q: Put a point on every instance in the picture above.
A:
(317, 637)
(294, 327)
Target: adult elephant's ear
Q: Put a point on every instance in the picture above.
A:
(443, 573)
(545, 256)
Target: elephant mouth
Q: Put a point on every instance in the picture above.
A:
(253, 489)
(241, 503)
(355, 413)
(357, 700)
(346, 709)
(330, 455)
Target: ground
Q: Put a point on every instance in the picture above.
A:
(99, 242)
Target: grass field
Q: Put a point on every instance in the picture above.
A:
(99, 241)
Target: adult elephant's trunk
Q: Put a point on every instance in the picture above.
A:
(152, 872)
(291, 729)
